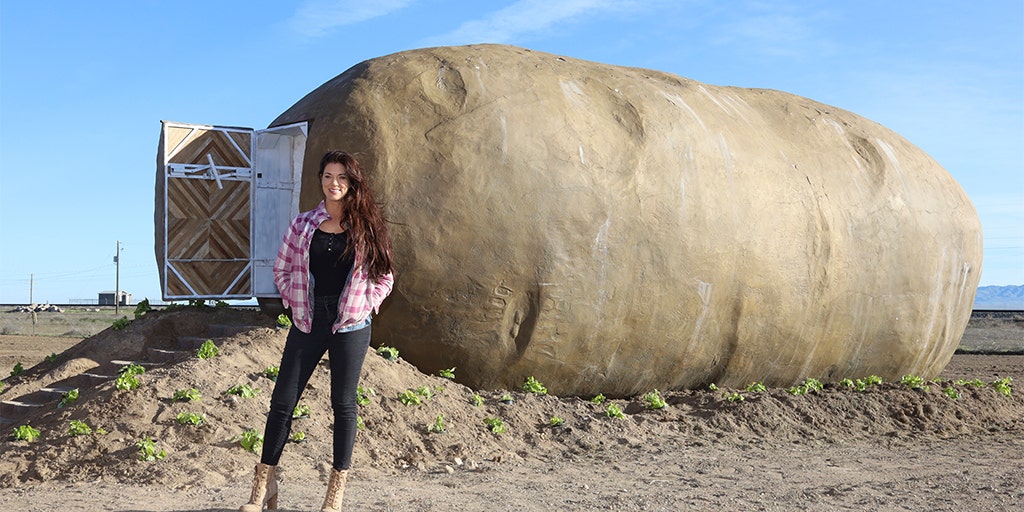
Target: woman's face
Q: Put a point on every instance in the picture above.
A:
(335, 182)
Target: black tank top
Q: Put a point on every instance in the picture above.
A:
(330, 270)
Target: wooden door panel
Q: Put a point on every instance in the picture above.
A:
(205, 222)
(191, 144)
(209, 278)
(207, 250)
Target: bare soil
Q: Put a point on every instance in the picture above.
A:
(886, 448)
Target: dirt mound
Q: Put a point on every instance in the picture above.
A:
(398, 435)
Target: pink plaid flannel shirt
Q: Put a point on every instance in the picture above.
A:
(360, 297)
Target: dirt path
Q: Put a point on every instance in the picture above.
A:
(966, 474)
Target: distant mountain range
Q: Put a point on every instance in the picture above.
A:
(1000, 297)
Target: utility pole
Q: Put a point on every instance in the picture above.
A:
(31, 283)
(117, 279)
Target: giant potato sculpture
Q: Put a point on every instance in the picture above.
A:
(610, 229)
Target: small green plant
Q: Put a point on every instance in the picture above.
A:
(555, 421)
(131, 369)
(301, 411)
(409, 397)
(425, 392)
(507, 399)
(613, 411)
(197, 303)
(654, 400)
(149, 451)
(1003, 385)
(360, 424)
(191, 418)
(79, 428)
(120, 323)
(51, 358)
(447, 373)
(251, 440)
(389, 353)
(809, 385)
(734, 397)
(713, 386)
(18, 369)
(813, 385)
(127, 378)
(67, 398)
(438, 426)
(951, 392)
(25, 433)
(187, 395)
(599, 399)
(271, 372)
(243, 390)
(477, 400)
(978, 383)
(914, 382)
(861, 384)
(533, 385)
(363, 395)
(142, 308)
(298, 437)
(283, 322)
(495, 425)
(207, 350)
(220, 304)
(756, 387)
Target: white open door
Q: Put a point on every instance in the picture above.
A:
(279, 154)
(224, 199)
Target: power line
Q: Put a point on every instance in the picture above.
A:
(55, 275)
(73, 273)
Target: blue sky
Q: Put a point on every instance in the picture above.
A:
(84, 85)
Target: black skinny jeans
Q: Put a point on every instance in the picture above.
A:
(302, 352)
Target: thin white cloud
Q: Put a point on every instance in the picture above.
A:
(523, 18)
(315, 18)
(773, 34)
(777, 30)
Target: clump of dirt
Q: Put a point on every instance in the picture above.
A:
(399, 435)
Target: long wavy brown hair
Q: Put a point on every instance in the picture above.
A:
(367, 227)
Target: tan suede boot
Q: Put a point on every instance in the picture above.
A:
(335, 491)
(264, 489)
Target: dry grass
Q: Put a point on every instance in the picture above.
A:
(74, 322)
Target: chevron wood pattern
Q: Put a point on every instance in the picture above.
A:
(204, 221)
(210, 278)
(213, 142)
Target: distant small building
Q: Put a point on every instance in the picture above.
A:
(107, 298)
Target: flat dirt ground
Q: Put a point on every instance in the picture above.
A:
(887, 448)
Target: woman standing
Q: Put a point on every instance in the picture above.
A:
(333, 269)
